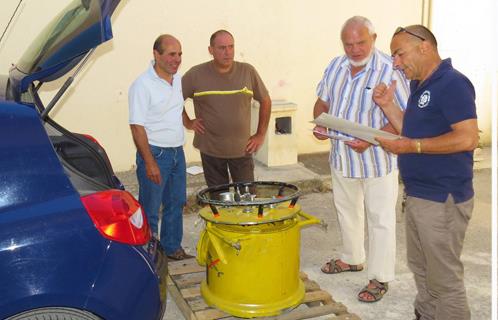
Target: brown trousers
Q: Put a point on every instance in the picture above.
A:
(216, 170)
(435, 233)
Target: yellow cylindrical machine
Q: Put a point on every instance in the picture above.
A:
(251, 254)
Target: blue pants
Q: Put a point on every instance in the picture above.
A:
(171, 193)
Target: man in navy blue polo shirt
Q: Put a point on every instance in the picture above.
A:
(439, 132)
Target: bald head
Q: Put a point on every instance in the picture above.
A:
(213, 37)
(358, 22)
(419, 32)
(164, 40)
(414, 51)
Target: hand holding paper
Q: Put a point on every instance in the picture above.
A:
(332, 136)
(358, 145)
(352, 128)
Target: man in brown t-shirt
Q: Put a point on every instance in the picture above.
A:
(222, 90)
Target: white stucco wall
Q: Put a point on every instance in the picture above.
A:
(289, 42)
(468, 35)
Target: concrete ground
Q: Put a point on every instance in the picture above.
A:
(312, 176)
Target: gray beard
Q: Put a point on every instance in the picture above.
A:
(363, 62)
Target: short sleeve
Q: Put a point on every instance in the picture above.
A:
(187, 85)
(138, 101)
(258, 85)
(322, 89)
(460, 100)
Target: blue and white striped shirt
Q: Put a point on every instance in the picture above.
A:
(351, 99)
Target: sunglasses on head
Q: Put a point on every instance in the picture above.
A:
(401, 29)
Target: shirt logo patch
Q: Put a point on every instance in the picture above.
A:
(424, 99)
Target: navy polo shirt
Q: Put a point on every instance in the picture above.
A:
(445, 98)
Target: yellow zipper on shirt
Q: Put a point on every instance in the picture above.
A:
(209, 93)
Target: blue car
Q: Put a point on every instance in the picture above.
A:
(73, 243)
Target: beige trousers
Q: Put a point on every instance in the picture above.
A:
(435, 232)
(375, 197)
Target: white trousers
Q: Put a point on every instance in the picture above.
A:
(375, 197)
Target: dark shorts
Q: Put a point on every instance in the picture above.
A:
(218, 171)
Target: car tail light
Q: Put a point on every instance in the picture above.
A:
(89, 137)
(118, 216)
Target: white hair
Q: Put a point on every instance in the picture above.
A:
(359, 20)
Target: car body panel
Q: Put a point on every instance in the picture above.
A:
(80, 27)
(146, 301)
(51, 252)
(35, 195)
(112, 280)
(30, 169)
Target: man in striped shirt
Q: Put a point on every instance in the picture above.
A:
(364, 176)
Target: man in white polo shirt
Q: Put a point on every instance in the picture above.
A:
(364, 176)
(156, 105)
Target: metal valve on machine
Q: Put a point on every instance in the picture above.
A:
(252, 230)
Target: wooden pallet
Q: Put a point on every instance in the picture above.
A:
(184, 287)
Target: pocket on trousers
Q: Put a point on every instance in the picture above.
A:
(458, 213)
(465, 209)
(156, 151)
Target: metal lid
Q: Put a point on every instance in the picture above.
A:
(248, 215)
(249, 203)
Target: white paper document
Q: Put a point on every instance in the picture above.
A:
(353, 129)
(334, 136)
(194, 170)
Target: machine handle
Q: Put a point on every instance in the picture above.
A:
(215, 237)
(217, 247)
(202, 247)
(233, 244)
(307, 220)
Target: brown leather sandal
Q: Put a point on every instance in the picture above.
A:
(331, 267)
(376, 293)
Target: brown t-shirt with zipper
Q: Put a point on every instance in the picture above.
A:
(223, 102)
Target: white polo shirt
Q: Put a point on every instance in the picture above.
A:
(157, 106)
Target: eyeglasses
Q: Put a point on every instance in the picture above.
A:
(401, 29)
